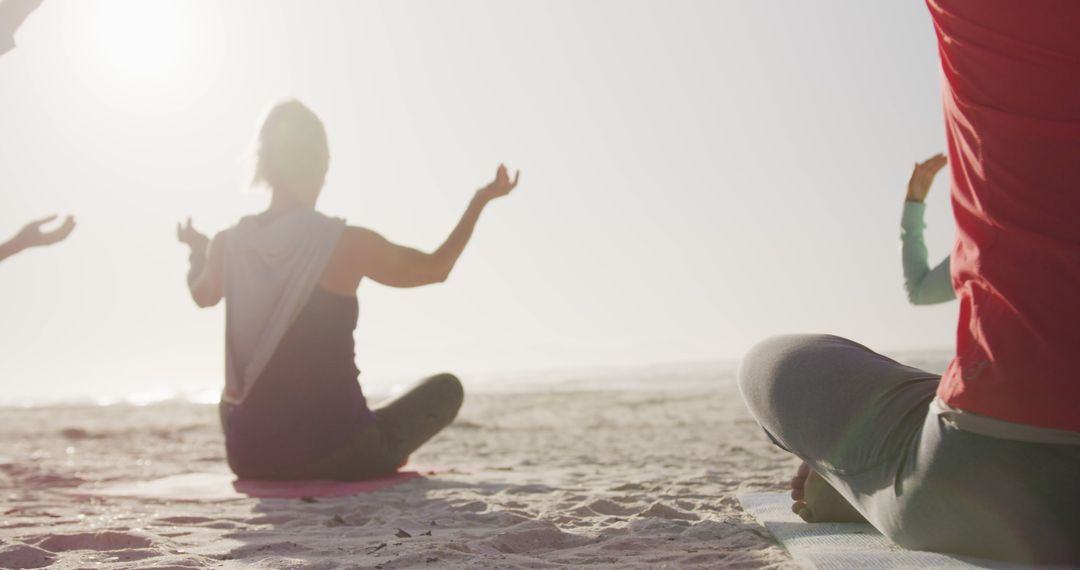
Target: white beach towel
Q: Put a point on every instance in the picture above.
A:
(843, 546)
(271, 268)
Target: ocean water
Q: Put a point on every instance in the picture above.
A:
(666, 377)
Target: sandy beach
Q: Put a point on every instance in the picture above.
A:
(600, 479)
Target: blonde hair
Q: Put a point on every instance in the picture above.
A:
(292, 153)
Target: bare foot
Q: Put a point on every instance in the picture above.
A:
(817, 501)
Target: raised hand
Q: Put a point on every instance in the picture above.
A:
(923, 176)
(501, 186)
(32, 236)
(195, 239)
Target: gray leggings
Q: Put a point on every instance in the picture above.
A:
(402, 425)
(861, 421)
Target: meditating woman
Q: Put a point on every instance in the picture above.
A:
(292, 407)
(925, 286)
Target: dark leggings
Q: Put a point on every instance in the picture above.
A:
(402, 425)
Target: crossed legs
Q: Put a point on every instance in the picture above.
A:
(401, 426)
(860, 422)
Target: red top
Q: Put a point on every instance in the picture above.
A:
(1012, 114)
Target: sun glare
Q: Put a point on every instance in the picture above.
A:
(146, 53)
(139, 37)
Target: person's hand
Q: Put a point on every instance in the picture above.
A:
(32, 236)
(923, 176)
(501, 186)
(195, 239)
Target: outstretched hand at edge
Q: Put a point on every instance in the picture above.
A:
(32, 236)
(922, 177)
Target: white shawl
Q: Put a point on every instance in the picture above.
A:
(271, 269)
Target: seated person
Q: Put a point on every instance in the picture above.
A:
(984, 460)
(292, 407)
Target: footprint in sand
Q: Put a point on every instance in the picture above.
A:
(23, 556)
(121, 546)
(46, 480)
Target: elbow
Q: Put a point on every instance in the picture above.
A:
(441, 276)
(205, 301)
(441, 273)
(915, 296)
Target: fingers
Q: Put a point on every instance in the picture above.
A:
(933, 164)
(59, 234)
(185, 232)
(938, 163)
(31, 235)
(66, 228)
(503, 184)
(915, 169)
(933, 159)
(42, 221)
(922, 176)
(503, 175)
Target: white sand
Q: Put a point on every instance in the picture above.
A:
(562, 479)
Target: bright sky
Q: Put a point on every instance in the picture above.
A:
(696, 176)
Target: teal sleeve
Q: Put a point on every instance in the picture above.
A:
(925, 286)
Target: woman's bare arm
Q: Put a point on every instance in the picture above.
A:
(371, 255)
